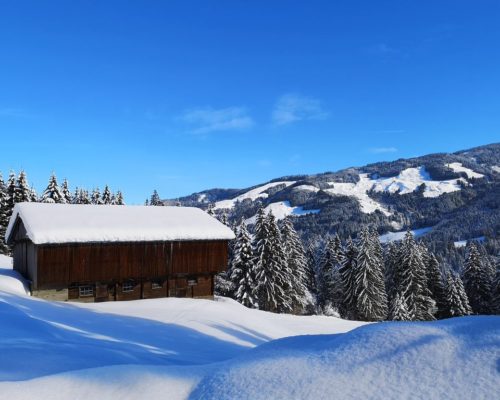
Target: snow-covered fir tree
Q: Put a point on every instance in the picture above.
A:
(242, 268)
(33, 195)
(66, 192)
(398, 309)
(325, 276)
(22, 191)
(53, 194)
(462, 293)
(155, 199)
(297, 267)
(11, 192)
(4, 216)
(106, 195)
(392, 270)
(270, 291)
(495, 292)
(311, 257)
(413, 284)
(119, 201)
(435, 284)
(369, 280)
(456, 297)
(348, 273)
(476, 279)
(95, 198)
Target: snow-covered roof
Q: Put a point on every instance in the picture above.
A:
(77, 223)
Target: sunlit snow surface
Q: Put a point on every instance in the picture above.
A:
(200, 349)
(253, 194)
(458, 167)
(395, 236)
(282, 209)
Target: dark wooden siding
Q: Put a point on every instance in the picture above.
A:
(66, 264)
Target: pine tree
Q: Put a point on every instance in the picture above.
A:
(325, 278)
(476, 279)
(66, 192)
(311, 257)
(456, 297)
(348, 273)
(242, 268)
(106, 196)
(22, 191)
(393, 274)
(369, 280)
(399, 311)
(155, 199)
(33, 195)
(11, 193)
(52, 193)
(95, 198)
(297, 267)
(119, 198)
(436, 285)
(413, 284)
(495, 292)
(4, 216)
(269, 290)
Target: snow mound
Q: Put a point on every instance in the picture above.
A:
(453, 359)
(458, 167)
(70, 223)
(395, 236)
(307, 188)
(282, 209)
(11, 281)
(253, 194)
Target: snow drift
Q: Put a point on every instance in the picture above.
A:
(184, 348)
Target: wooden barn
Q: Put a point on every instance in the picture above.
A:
(102, 253)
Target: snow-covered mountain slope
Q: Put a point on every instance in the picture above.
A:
(456, 193)
(200, 349)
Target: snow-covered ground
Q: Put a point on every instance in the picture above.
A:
(359, 190)
(395, 236)
(283, 209)
(406, 182)
(463, 243)
(458, 167)
(253, 194)
(200, 349)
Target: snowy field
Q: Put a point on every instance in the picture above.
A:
(200, 349)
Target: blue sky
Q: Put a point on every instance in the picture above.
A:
(183, 96)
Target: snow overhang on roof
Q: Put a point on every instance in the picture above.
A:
(78, 223)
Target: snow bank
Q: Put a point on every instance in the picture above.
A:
(282, 209)
(458, 167)
(69, 223)
(451, 359)
(253, 194)
(395, 236)
(11, 281)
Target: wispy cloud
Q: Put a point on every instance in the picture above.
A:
(292, 108)
(207, 119)
(380, 150)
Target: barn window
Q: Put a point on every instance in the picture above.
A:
(86, 291)
(128, 286)
(156, 285)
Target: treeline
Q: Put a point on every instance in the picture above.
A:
(17, 190)
(355, 279)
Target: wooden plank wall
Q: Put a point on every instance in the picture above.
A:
(62, 265)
